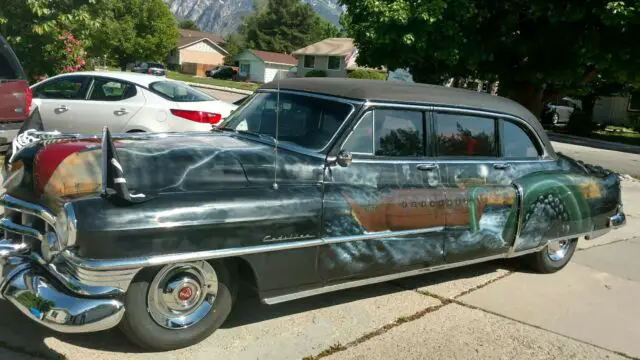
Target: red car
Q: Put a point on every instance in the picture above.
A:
(15, 95)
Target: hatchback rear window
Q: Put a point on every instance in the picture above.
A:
(178, 92)
(157, 66)
(9, 67)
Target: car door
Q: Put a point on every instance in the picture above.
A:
(57, 98)
(481, 210)
(380, 212)
(109, 102)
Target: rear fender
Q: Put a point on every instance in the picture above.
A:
(558, 204)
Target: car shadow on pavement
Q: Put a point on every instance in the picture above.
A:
(19, 334)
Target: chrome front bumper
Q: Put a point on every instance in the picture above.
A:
(39, 296)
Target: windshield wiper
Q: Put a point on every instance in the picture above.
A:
(246, 132)
(262, 136)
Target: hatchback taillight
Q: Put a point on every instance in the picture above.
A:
(28, 98)
(198, 116)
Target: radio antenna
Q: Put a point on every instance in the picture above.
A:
(275, 159)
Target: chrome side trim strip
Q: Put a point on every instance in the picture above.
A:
(380, 235)
(144, 261)
(138, 262)
(384, 278)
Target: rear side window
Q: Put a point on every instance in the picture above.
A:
(63, 88)
(516, 143)
(178, 92)
(10, 68)
(111, 90)
(464, 135)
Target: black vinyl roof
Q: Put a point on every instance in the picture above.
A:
(413, 93)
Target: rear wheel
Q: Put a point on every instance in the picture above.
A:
(178, 305)
(553, 257)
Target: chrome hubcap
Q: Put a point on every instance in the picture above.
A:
(182, 294)
(558, 249)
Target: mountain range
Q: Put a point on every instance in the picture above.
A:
(222, 17)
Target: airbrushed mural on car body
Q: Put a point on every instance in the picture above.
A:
(474, 211)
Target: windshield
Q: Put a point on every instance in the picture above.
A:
(178, 92)
(305, 121)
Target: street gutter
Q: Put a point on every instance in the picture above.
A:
(219, 88)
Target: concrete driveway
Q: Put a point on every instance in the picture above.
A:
(589, 310)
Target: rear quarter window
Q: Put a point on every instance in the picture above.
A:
(178, 92)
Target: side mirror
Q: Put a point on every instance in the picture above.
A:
(344, 158)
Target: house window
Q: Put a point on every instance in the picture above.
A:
(245, 69)
(309, 61)
(334, 63)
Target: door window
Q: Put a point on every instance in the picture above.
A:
(387, 132)
(111, 90)
(464, 135)
(63, 88)
(516, 143)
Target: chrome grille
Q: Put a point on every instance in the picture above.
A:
(24, 222)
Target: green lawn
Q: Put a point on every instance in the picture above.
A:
(216, 82)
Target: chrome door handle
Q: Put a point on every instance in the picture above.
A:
(121, 111)
(62, 108)
(426, 167)
(501, 166)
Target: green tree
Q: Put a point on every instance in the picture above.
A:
(134, 30)
(188, 25)
(526, 45)
(48, 36)
(282, 26)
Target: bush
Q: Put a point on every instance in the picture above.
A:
(367, 74)
(580, 124)
(316, 73)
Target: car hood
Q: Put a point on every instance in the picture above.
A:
(157, 163)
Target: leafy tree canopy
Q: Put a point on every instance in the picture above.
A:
(280, 26)
(48, 36)
(526, 44)
(135, 30)
(188, 25)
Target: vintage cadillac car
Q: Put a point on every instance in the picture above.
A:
(310, 186)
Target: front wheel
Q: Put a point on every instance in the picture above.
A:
(553, 257)
(178, 305)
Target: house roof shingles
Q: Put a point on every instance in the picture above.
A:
(330, 46)
(190, 36)
(275, 58)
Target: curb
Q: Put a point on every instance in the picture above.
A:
(221, 88)
(593, 143)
